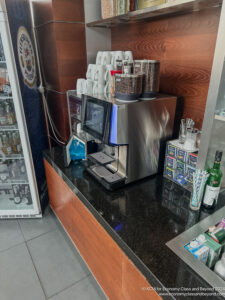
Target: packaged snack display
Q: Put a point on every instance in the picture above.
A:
(180, 164)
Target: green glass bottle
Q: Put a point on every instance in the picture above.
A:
(213, 183)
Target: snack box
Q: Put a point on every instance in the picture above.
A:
(190, 172)
(192, 159)
(202, 254)
(214, 248)
(218, 235)
(214, 251)
(193, 246)
(181, 167)
(181, 179)
(198, 250)
(222, 224)
(171, 162)
(170, 173)
(171, 150)
(182, 155)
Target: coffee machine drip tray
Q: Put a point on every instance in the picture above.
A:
(108, 179)
(101, 171)
(101, 158)
(106, 174)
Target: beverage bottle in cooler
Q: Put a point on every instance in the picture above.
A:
(6, 147)
(16, 145)
(12, 112)
(27, 194)
(22, 168)
(15, 169)
(9, 114)
(19, 147)
(17, 195)
(213, 183)
(8, 119)
(1, 140)
(10, 138)
(9, 163)
(3, 118)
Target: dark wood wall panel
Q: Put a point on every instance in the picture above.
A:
(48, 56)
(43, 12)
(185, 46)
(58, 110)
(58, 10)
(68, 10)
(71, 51)
(62, 49)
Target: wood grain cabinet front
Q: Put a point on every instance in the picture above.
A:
(134, 285)
(115, 273)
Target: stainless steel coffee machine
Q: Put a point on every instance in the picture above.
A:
(131, 137)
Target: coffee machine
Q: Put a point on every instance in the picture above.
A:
(130, 137)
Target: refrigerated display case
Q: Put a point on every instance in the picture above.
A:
(19, 190)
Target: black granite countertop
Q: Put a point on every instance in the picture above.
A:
(141, 218)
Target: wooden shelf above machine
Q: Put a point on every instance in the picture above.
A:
(175, 7)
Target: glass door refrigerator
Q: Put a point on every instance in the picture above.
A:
(22, 133)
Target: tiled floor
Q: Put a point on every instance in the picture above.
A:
(39, 262)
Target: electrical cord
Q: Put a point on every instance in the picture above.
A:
(41, 88)
(52, 138)
(52, 123)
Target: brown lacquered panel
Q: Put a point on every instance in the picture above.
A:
(71, 52)
(63, 54)
(58, 10)
(100, 252)
(42, 11)
(59, 194)
(68, 10)
(134, 285)
(185, 46)
(62, 49)
(57, 104)
(48, 56)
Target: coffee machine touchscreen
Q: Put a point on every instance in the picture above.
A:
(95, 117)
